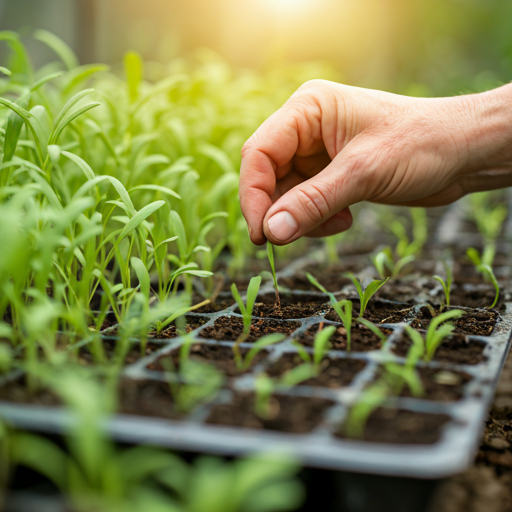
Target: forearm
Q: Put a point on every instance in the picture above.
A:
(489, 131)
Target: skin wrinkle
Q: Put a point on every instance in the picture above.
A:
(301, 193)
(373, 146)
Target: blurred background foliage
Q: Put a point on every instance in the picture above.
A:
(419, 47)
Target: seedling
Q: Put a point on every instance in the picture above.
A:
(437, 331)
(265, 386)
(366, 294)
(386, 266)
(195, 383)
(246, 309)
(321, 346)
(270, 254)
(371, 399)
(343, 308)
(483, 267)
(446, 284)
(373, 328)
(243, 363)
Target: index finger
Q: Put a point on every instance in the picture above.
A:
(272, 146)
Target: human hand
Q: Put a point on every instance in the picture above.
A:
(332, 145)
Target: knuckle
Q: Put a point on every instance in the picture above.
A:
(314, 202)
(248, 146)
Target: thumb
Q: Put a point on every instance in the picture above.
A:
(318, 205)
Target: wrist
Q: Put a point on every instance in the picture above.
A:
(487, 127)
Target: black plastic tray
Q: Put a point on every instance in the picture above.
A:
(454, 451)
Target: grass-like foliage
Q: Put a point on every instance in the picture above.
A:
(483, 266)
(244, 362)
(270, 255)
(343, 308)
(438, 329)
(368, 292)
(446, 283)
(247, 307)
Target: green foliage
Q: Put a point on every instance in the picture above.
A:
(243, 363)
(343, 308)
(446, 284)
(270, 255)
(247, 307)
(483, 266)
(368, 292)
(437, 331)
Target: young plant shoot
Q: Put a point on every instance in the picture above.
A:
(270, 254)
(343, 308)
(368, 292)
(483, 267)
(446, 284)
(437, 331)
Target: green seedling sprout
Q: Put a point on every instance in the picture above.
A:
(196, 383)
(371, 399)
(437, 331)
(246, 309)
(369, 291)
(343, 308)
(373, 328)
(244, 363)
(483, 267)
(265, 386)
(446, 284)
(386, 266)
(321, 346)
(270, 254)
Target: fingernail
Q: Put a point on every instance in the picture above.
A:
(282, 226)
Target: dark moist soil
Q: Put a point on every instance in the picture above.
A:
(378, 312)
(218, 355)
(455, 349)
(474, 296)
(331, 277)
(361, 338)
(86, 357)
(411, 289)
(219, 304)
(487, 486)
(193, 323)
(146, 398)
(334, 373)
(292, 306)
(403, 427)
(479, 322)
(440, 385)
(230, 328)
(297, 415)
(18, 392)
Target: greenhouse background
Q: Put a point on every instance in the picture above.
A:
(151, 357)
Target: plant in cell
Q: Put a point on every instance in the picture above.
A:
(270, 254)
(483, 267)
(446, 284)
(244, 362)
(387, 266)
(343, 308)
(373, 397)
(436, 332)
(265, 386)
(195, 382)
(368, 292)
(321, 346)
(247, 307)
(372, 327)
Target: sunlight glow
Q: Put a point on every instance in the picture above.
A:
(290, 6)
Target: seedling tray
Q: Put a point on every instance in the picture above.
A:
(451, 424)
